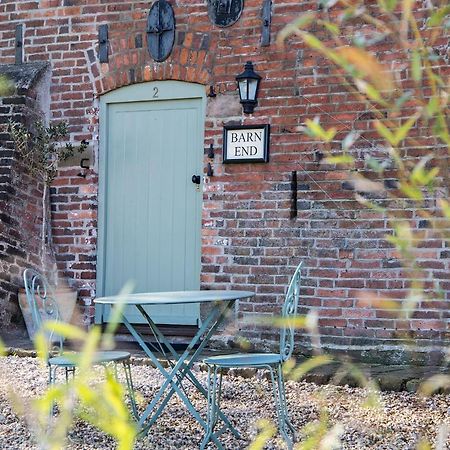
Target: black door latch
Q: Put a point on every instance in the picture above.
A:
(196, 179)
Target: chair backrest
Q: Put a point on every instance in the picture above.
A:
(289, 311)
(42, 303)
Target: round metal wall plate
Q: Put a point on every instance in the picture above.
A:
(225, 13)
(160, 30)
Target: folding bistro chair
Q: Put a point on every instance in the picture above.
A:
(43, 307)
(270, 361)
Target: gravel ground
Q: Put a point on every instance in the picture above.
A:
(400, 421)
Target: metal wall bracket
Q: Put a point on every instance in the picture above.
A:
(293, 212)
(103, 43)
(19, 44)
(211, 151)
(212, 92)
(266, 21)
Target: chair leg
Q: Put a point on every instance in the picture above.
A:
(70, 370)
(51, 374)
(51, 382)
(130, 387)
(214, 392)
(279, 407)
(284, 404)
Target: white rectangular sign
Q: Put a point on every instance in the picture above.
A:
(246, 143)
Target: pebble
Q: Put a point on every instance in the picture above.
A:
(398, 423)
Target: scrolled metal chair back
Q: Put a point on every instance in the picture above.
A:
(288, 312)
(42, 303)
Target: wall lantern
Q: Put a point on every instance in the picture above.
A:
(248, 83)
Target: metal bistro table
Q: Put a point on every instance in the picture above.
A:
(180, 364)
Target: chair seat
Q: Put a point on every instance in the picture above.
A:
(244, 360)
(70, 359)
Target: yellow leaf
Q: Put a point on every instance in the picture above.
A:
(332, 28)
(313, 42)
(115, 315)
(368, 65)
(423, 444)
(296, 322)
(368, 204)
(369, 90)
(64, 329)
(416, 66)
(402, 132)
(438, 16)
(384, 132)
(266, 431)
(41, 344)
(369, 299)
(314, 129)
(293, 27)
(310, 364)
(434, 383)
(363, 184)
(411, 191)
(339, 159)
(387, 5)
(445, 206)
(407, 6)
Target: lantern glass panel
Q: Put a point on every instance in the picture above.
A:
(252, 86)
(243, 89)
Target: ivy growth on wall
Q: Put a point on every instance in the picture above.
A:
(42, 148)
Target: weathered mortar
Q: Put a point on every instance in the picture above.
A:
(249, 240)
(20, 193)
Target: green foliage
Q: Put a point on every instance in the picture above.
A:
(314, 129)
(416, 66)
(42, 148)
(435, 383)
(266, 431)
(387, 5)
(321, 434)
(437, 17)
(394, 137)
(369, 79)
(340, 159)
(298, 371)
(400, 109)
(6, 86)
(100, 404)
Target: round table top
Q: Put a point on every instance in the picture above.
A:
(176, 297)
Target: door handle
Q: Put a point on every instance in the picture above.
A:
(196, 179)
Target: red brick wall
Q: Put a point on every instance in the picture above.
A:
(249, 240)
(20, 192)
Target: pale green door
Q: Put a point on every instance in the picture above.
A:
(150, 223)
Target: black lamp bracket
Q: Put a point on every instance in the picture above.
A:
(103, 43)
(266, 21)
(211, 151)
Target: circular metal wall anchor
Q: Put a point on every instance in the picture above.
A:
(225, 13)
(160, 30)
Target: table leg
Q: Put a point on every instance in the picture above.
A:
(185, 371)
(215, 318)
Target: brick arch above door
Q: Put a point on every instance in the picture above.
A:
(188, 62)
